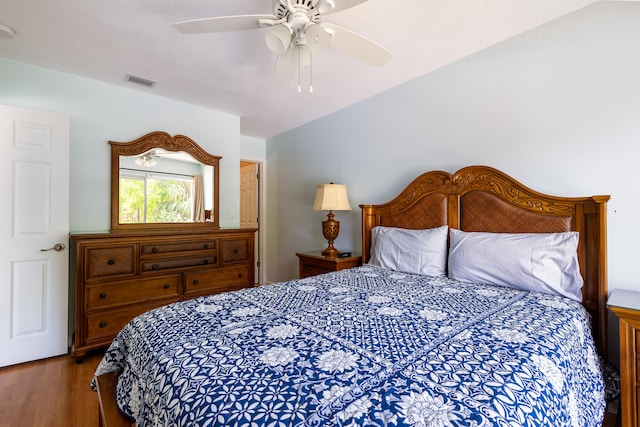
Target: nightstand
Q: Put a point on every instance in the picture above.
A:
(313, 263)
(626, 305)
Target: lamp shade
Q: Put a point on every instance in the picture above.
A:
(331, 197)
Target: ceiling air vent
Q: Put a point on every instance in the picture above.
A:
(139, 80)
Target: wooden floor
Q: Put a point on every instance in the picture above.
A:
(56, 392)
(53, 392)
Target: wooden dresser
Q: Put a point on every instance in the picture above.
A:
(117, 276)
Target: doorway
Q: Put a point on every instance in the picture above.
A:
(250, 207)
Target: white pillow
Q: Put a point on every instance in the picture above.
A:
(540, 262)
(410, 251)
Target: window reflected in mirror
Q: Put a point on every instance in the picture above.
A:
(161, 186)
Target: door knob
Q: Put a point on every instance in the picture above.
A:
(57, 247)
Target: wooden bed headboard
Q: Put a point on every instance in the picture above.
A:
(480, 198)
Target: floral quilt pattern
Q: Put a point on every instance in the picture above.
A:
(360, 347)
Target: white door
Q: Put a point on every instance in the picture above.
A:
(34, 217)
(249, 206)
(248, 195)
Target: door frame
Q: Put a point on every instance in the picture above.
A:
(261, 244)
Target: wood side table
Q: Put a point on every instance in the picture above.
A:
(626, 305)
(313, 263)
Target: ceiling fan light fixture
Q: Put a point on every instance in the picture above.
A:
(278, 38)
(318, 39)
(325, 6)
(145, 160)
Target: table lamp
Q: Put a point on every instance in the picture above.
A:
(331, 197)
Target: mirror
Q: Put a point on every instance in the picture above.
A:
(161, 181)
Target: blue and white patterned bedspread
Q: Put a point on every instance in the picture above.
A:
(365, 346)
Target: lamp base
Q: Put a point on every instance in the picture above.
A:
(331, 252)
(330, 230)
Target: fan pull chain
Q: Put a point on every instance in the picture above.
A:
(300, 71)
(310, 73)
(299, 86)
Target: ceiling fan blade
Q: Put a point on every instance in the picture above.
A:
(341, 5)
(221, 24)
(285, 67)
(288, 64)
(357, 46)
(303, 55)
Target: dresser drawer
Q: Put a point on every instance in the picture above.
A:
(234, 250)
(109, 261)
(115, 294)
(106, 324)
(218, 280)
(172, 263)
(169, 247)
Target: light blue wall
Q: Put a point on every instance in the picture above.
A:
(101, 112)
(254, 149)
(557, 108)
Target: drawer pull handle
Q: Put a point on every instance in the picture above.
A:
(103, 295)
(155, 267)
(240, 275)
(235, 251)
(206, 261)
(103, 324)
(111, 262)
(195, 282)
(166, 286)
(206, 246)
(154, 249)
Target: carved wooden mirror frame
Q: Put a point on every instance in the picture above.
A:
(170, 143)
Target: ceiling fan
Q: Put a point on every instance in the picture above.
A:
(296, 31)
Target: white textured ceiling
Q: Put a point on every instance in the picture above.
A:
(233, 72)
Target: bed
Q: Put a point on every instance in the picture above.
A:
(436, 339)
